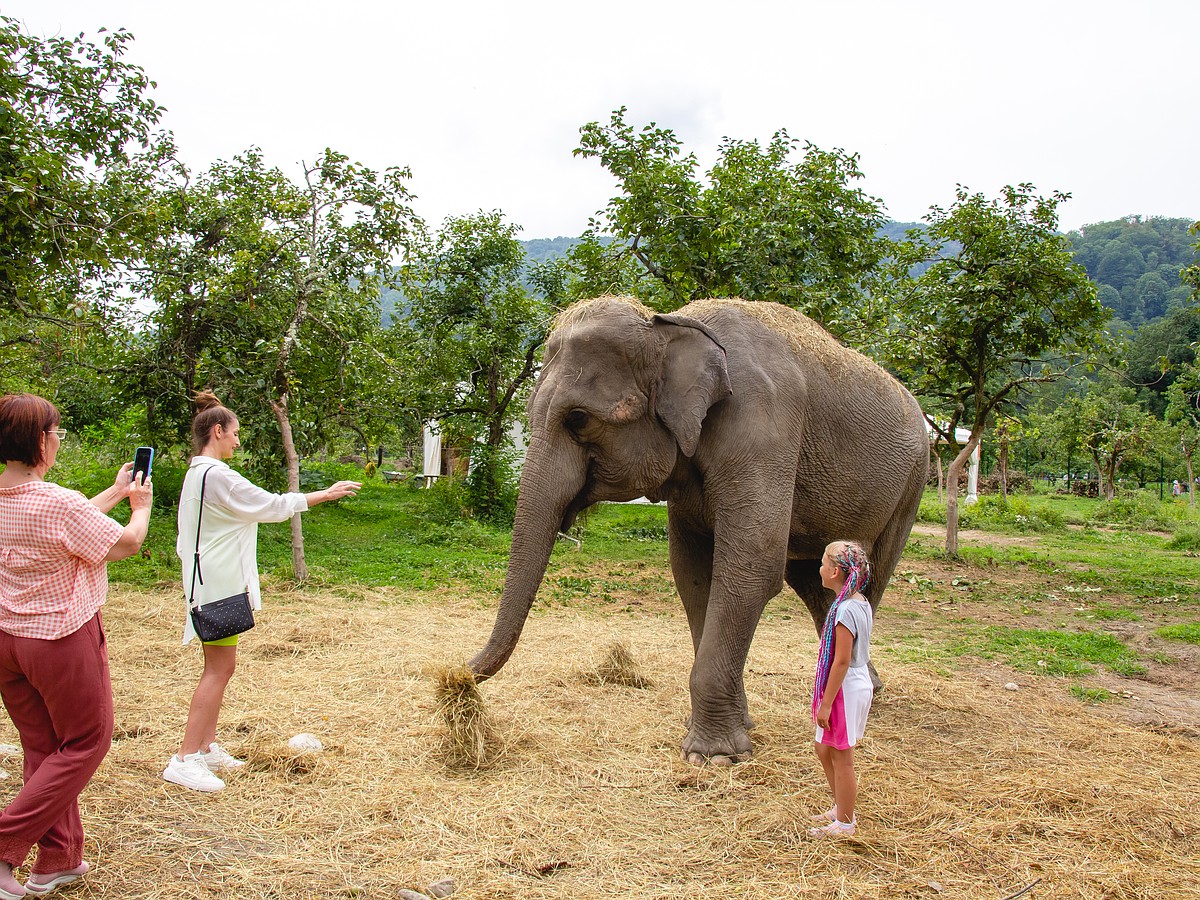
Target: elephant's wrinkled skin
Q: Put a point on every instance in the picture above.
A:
(767, 439)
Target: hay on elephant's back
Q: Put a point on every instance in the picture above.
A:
(579, 310)
(471, 740)
(805, 336)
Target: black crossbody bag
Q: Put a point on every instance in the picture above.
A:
(222, 618)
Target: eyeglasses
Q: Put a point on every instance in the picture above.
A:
(61, 432)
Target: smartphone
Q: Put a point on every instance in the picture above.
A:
(143, 461)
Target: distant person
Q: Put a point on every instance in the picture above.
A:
(1176, 488)
(233, 508)
(842, 691)
(54, 546)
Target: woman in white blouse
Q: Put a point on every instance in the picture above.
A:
(233, 507)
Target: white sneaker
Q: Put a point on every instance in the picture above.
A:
(191, 772)
(218, 757)
(834, 829)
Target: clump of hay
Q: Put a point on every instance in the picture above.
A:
(618, 667)
(580, 310)
(471, 740)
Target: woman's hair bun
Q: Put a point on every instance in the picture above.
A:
(206, 400)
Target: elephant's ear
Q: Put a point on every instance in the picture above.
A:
(694, 376)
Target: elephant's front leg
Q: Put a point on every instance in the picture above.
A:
(745, 576)
(691, 566)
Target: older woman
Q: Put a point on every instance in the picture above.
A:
(54, 544)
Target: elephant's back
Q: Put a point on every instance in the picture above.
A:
(819, 352)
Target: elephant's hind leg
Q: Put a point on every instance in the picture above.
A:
(804, 577)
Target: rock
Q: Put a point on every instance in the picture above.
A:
(306, 743)
(1012, 686)
(440, 889)
(406, 894)
(9, 750)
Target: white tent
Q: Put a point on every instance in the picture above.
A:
(433, 453)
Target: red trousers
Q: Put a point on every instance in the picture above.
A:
(59, 696)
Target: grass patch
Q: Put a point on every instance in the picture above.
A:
(1185, 538)
(1014, 514)
(1055, 652)
(1092, 695)
(1189, 632)
(1105, 613)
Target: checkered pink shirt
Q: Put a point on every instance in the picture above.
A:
(53, 577)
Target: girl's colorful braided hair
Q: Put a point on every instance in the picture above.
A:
(851, 559)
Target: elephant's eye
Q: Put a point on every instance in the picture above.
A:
(576, 420)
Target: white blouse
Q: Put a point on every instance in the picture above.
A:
(233, 507)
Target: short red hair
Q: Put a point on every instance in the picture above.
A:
(24, 419)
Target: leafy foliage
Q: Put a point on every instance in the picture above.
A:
(77, 152)
(471, 341)
(1109, 425)
(762, 225)
(267, 290)
(1137, 262)
(1001, 307)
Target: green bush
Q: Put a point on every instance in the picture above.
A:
(315, 475)
(995, 512)
(443, 503)
(931, 511)
(491, 486)
(1186, 538)
(1137, 510)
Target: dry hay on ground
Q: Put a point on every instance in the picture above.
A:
(968, 790)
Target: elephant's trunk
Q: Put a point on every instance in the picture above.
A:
(541, 503)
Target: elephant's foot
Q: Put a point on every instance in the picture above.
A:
(711, 750)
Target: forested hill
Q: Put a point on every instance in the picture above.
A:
(1135, 261)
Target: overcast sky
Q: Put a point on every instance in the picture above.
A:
(484, 100)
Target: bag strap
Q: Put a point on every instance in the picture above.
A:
(196, 556)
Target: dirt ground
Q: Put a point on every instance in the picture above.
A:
(1166, 698)
(968, 789)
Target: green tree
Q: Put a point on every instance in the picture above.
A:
(1159, 351)
(1112, 427)
(473, 335)
(1001, 307)
(269, 291)
(1183, 418)
(76, 158)
(777, 222)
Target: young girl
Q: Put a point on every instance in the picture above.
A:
(843, 690)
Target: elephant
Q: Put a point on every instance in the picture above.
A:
(767, 439)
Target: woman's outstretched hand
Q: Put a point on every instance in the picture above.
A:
(335, 491)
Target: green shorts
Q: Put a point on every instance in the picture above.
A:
(223, 642)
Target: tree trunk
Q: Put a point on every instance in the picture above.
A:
(1003, 466)
(280, 406)
(953, 476)
(941, 479)
(1114, 463)
(1191, 480)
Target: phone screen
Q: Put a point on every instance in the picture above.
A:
(143, 461)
